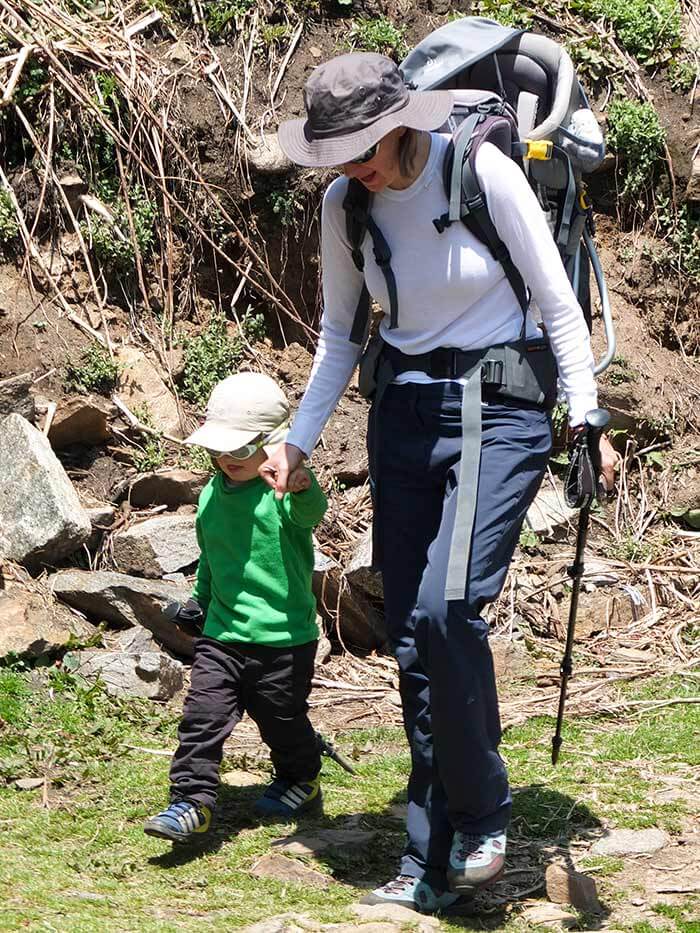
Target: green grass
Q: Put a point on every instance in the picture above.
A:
(84, 863)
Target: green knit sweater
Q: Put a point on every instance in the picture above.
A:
(257, 558)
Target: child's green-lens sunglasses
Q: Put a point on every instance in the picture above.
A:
(241, 453)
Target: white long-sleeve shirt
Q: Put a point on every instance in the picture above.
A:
(451, 291)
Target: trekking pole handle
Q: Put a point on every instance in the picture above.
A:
(597, 421)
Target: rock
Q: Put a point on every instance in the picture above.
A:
(324, 839)
(168, 487)
(546, 913)
(286, 869)
(73, 187)
(360, 624)
(238, 778)
(549, 517)
(41, 518)
(323, 649)
(152, 675)
(285, 923)
(28, 783)
(31, 625)
(511, 659)
(603, 609)
(101, 518)
(136, 640)
(15, 397)
(158, 545)
(571, 887)
(630, 842)
(692, 192)
(141, 385)
(358, 571)
(267, 158)
(125, 601)
(395, 913)
(80, 420)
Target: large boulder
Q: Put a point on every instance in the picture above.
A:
(125, 601)
(341, 605)
(32, 625)
(141, 385)
(80, 420)
(166, 487)
(158, 545)
(41, 518)
(152, 675)
(16, 398)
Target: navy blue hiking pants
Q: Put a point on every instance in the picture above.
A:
(458, 780)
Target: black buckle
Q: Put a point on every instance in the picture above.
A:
(443, 363)
(492, 372)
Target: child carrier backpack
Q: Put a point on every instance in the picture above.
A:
(519, 91)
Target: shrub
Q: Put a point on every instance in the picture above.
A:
(151, 456)
(213, 355)
(9, 225)
(646, 28)
(221, 16)
(116, 253)
(683, 234)
(635, 133)
(682, 74)
(378, 35)
(508, 14)
(93, 371)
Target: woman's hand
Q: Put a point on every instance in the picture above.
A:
(609, 462)
(276, 470)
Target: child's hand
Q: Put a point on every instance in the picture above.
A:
(298, 480)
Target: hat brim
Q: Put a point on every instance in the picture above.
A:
(219, 437)
(425, 110)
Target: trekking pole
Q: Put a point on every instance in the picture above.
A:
(327, 748)
(581, 492)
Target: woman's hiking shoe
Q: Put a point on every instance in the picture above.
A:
(180, 822)
(414, 894)
(290, 799)
(475, 861)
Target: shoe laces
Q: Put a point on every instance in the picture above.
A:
(399, 884)
(470, 845)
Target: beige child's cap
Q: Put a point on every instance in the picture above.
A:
(240, 408)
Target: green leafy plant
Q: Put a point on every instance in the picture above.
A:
(635, 133)
(221, 16)
(378, 35)
(284, 205)
(593, 63)
(648, 29)
(213, 355)
(150, 456)
(9, 225)
(529, 539)
(93, 371)
(682, 231)
(620, 371)
(273, 35)
(508, 14)
(112, 244)
(682, 74)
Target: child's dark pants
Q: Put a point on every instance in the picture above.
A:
(272, 685)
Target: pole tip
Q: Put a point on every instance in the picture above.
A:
(556, 745)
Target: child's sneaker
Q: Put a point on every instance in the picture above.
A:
(289, 799)
(414, 894)
(180, 822)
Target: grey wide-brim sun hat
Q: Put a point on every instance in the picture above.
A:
(353, 101)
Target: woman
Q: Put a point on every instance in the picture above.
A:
(451, 294)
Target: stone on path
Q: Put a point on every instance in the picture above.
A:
(239, 778)
(565, 886)
(358, 572)
(360, 624)
(158, 545)
(549, 516)
(41, 518)
(282, 868)
(82, 419)
(31, 625)
(15, 397)
(630, 842)
(285, 923)
(152, 675)
(395, 913)
(28, 783)
(323, 839)
(167, 487)
(141, 385)
(125, 601)
(546, 913)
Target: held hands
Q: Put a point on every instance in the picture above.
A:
(284, 472)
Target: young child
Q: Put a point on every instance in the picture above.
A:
(256, 652)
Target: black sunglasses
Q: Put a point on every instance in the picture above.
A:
(367, 155)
